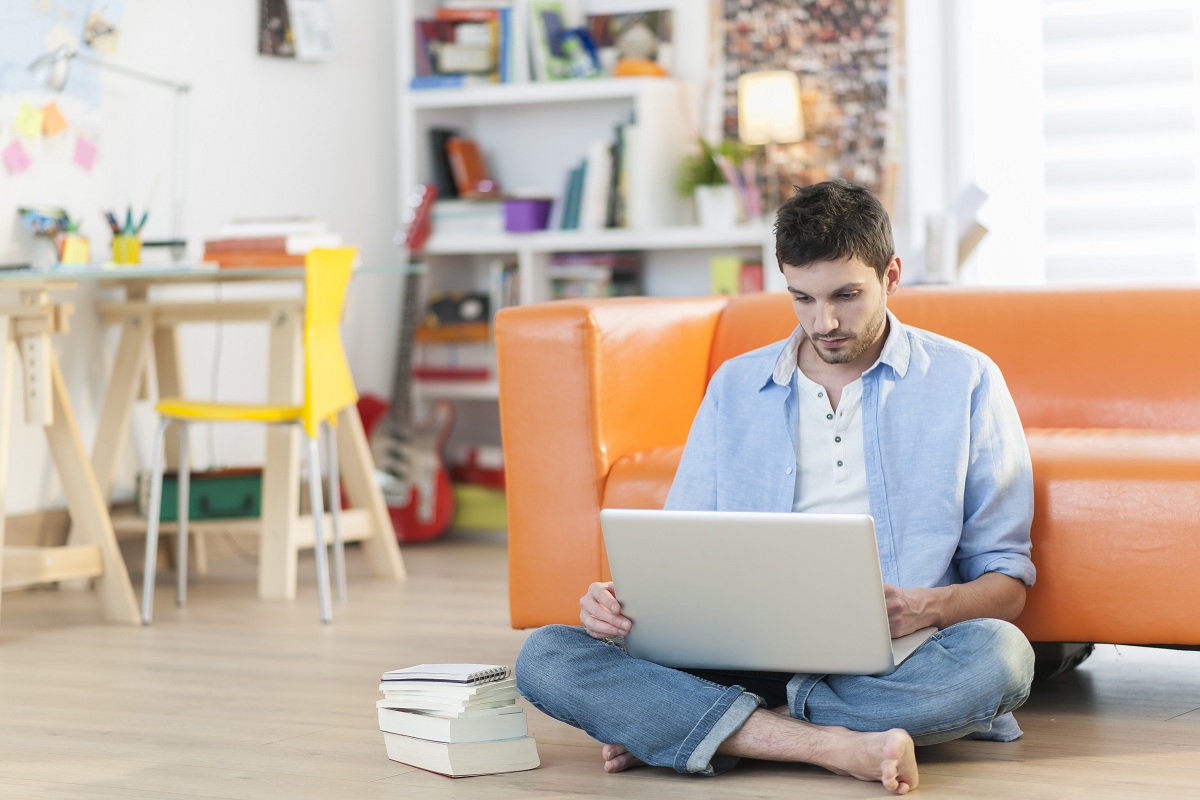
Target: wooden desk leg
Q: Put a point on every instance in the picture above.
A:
(123, 385)
(358, 476)
(8, 354)
(88, 507)
(281, 472)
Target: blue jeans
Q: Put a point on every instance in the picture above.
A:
(957, 684)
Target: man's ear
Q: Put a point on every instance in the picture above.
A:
(891, 275)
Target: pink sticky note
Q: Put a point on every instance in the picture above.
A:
(15, 158)
(85, 153)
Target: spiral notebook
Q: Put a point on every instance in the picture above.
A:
(466, 674)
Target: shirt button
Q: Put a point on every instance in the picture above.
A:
(837, 438)
(789, 470)
(829, 416)
(820, 394)
(839, 463)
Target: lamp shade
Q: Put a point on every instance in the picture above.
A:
(769, 108)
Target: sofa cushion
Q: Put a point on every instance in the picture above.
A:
(1116, 532)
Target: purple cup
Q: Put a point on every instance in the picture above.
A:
(526, 213)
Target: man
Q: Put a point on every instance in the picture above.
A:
(913, 428)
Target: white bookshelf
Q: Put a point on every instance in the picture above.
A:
(532, 133)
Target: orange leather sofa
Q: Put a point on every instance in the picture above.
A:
(597, 396)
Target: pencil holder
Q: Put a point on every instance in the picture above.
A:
(127, 249)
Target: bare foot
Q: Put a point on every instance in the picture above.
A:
(886, 757)
(618, 759)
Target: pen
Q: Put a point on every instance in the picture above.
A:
(112, 222)
(142, 222)
(128, 220)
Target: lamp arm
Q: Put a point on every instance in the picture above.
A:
(181, 88)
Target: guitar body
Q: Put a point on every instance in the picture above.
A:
(416, 487)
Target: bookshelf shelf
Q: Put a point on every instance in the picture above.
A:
(672, 238)
(533, 93)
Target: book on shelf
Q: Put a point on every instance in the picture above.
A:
(546, 29)
(462, 759)
(471, 177)
(455, 719)
(443, 173)
(508, 722)
(732, 274)
(268, 241)
(602, 274)
(468, 215)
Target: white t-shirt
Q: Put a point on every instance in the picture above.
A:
(831, 473)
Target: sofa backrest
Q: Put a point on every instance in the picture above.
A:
(1106, 358)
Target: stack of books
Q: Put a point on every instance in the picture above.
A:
(455, 719)
(268, 241)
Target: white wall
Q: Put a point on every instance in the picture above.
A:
(267, 137)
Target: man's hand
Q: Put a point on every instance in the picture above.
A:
(992, 595)
(908, 609)
(600, 612)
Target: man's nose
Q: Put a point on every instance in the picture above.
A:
(826, 321)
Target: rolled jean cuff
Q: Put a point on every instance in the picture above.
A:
(798, 690)
(728, 714)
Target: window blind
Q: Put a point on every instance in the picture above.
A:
(1119, 118)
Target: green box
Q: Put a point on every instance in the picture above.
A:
(213, 494)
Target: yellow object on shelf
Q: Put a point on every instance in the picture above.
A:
(479, 508)
(127, 249)
(75, 250)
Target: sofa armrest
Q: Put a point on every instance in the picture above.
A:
(583, 383)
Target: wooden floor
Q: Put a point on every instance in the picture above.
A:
(240, 698)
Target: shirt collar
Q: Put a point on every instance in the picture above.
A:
(896, 353)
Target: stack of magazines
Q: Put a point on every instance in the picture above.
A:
(455, 719)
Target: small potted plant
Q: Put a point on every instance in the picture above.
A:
(706, 174)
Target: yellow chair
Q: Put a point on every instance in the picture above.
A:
(328, 388)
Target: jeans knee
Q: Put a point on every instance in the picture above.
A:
(1012, 662)
(540, 655)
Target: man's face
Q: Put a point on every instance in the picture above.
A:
(841, 306)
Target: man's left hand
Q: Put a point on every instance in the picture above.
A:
(908, 609)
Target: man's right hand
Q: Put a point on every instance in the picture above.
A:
(600, 612)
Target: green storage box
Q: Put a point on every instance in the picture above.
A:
(214, 494)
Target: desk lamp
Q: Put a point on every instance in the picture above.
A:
(53, 70)
(769, 114)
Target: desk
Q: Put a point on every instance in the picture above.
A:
(148, 329)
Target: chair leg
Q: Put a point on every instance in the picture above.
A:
(181, 538)
(152, 524)
(318, 514)
(335, 514)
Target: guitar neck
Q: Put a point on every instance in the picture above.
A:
(401, 408)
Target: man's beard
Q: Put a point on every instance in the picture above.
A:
(855, 347)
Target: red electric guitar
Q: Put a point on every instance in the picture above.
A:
(408, 453)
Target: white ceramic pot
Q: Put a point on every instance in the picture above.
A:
(716, 206)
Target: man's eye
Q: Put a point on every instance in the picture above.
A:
(800, 299)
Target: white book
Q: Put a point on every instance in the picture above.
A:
(448, 690)
(596, 181)
(246, 227)
(443, 708)
(509, 723)
(453, 673)
(458, 759)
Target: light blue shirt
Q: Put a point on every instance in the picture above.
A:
(948, 470)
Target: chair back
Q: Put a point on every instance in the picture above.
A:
(328, 384)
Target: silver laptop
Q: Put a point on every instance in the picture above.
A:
(753, 591)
